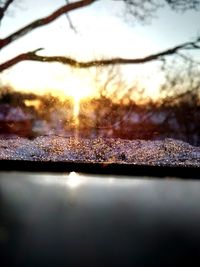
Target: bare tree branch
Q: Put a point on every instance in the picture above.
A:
(44, 21)
(4, 8)
(71, 25)
(146, 9)
(141, 10)
(182, 5)
(32, 56)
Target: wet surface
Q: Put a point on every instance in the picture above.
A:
(77, 220)
(167, 152)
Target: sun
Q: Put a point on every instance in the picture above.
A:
(78, 88)
(76, 96)
(55, 79)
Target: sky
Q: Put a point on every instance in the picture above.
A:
(103, 31)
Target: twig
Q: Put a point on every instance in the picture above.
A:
(71, 25)
(44, 21)
(4, 8)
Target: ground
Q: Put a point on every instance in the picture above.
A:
(166, 152)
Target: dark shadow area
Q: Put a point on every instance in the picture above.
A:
(169, 172)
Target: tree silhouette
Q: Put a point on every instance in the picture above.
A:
(140, 10)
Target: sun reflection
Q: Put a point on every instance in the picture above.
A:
(111, 180)
(73, 180)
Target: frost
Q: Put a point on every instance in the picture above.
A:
(62, 149)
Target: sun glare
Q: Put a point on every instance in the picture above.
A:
(59, 80)
(76, 98)
(73, 180)
(78, 88)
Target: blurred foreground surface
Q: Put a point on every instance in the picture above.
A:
(80, 220)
